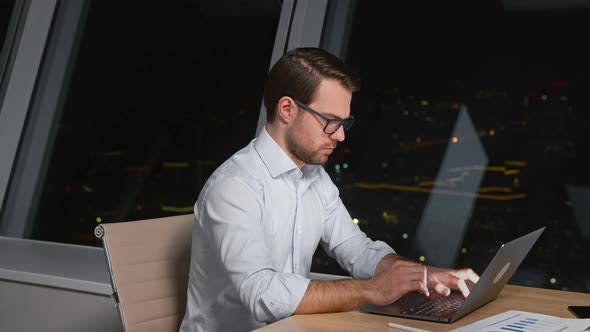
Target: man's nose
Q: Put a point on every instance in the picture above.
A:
(338, 134)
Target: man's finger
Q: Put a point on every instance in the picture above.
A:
(463, 287)
(468, 274)
(425, 282)
(474, 277)
(442, 289)
(420, 287)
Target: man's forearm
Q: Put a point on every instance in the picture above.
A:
(340, 295)
(394, 277)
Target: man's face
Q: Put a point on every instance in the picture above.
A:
(306, 141)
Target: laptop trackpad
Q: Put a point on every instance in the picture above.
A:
(409, 300)
(401, 304)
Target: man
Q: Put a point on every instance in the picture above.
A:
(262, 213)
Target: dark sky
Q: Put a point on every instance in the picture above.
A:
(477, 41)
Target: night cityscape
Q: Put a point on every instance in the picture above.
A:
(521, 163)
(152, 112)
(387, 195)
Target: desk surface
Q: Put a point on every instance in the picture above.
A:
(538, 300)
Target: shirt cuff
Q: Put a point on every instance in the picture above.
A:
(285, 293)
(370, 258)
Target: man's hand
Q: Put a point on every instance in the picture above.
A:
(442, 279)
(396, 276)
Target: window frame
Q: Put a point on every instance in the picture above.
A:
(30, 26)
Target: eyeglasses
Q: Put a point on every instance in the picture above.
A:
(332, 125)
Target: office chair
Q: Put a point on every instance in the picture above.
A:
(149, 266)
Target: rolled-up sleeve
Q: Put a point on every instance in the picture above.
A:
(231, 214)
(344, 240)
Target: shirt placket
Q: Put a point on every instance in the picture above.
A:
(297, 229)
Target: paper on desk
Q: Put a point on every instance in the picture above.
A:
(522, 321)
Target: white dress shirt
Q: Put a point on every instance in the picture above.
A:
(259, 220)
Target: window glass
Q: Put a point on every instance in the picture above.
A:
(471, 131)
(6, 7)
(161, 94)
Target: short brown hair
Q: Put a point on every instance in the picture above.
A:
(299, 72)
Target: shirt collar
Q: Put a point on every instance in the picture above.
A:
(276, 160)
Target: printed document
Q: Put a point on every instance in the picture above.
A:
(522, 321)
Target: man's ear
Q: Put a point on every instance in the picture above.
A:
(286, 109)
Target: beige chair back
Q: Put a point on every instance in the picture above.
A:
(149, 266)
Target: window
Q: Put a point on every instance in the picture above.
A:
(471, 131)
(6, 7)
(161, 94)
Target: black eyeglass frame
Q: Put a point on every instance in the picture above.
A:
(345, 123)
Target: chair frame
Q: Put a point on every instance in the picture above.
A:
(101, 231)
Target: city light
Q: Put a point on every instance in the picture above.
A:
(98, 219)
(517, 163)
(495, 188)
(492, 132)
(405, 236)
(425, 183)
(496, 168)
(176, 209)
(355, 220)
(463, 250)
(512, 171)
(136, 168)
(422, 258)
(379, 186)
(345, 165)
(552, 280)
(170, 164)
(455, 140)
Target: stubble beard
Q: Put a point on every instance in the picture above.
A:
(305, 155)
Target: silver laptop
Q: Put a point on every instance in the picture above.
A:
(450, 308)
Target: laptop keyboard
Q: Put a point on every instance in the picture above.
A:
(442, 306)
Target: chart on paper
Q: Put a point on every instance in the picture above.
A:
(519, 324)
(521, 321)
